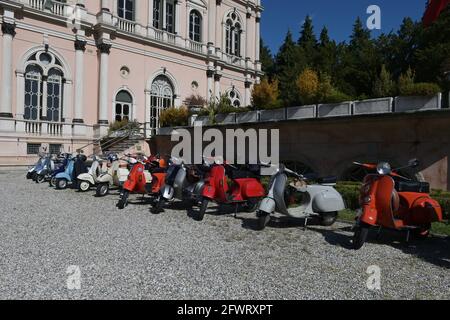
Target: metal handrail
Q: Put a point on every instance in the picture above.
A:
(115, 140)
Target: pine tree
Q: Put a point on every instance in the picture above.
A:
(308, 42)
(288, 64)
(267, 60)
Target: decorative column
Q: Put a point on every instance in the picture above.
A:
(219, 27)
(217, 77)
(210, 77)
(257, 37)
(248, 92)
(9, 31)
(104, 49)
(80, 48)
(249, 33)
(211, 26)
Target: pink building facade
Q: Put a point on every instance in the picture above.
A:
(70, 68)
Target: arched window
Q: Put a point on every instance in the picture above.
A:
(43, 94)
(235, 98)
(126, 9)
(123, 106)
(233, 34)
(161, 97)
(195, 26)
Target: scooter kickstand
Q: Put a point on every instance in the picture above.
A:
(379, 233)
(407, 236)
(235, 211)
(305, 226)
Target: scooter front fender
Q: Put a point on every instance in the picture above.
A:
(86, 177)
(267, 206)
(167, 192)
(209, 192)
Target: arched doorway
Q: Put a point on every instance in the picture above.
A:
(161, 97)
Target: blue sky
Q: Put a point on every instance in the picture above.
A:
(338, 16)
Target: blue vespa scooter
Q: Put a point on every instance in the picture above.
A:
(75, 167)
(60, 169)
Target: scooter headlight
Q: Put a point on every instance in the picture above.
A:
(367, 200)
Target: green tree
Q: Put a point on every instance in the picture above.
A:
(327, 54)
(307, 42)
(384, 85)
(288, 66)
(267, 61)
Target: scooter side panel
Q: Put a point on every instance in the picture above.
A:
(105, 178)
(209, 192)
(86, 177)
(64, 175)
(325, 199)
(167, 192)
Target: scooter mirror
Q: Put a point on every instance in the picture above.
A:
(413, 163)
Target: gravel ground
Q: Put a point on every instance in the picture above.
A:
(133, 254)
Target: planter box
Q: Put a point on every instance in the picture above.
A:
(204, 120)
(229, 118)
(272, 115)
(166, 131)
(247, 117)
(373, 106)
(405, 104)
(335, 109)
(303, 112)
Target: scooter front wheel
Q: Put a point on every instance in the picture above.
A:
(159, 206)
(84, 186)
(40, 178)
(263, 220)
(200, 215)
(53, 182)
(123, 202)
(102, 190)
(360, 236)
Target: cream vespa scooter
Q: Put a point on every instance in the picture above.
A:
(88, 180)
(300, 200)
(116, 176)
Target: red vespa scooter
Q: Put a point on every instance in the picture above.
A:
(147, 176)
(391, 201)
(246, 188)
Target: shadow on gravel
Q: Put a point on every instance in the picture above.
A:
(434, 250)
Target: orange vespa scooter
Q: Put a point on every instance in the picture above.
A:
(389, 200)
(147, 176)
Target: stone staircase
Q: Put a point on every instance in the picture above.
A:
(128, 139)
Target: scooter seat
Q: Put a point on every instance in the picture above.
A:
(412, 186)
(327, 180)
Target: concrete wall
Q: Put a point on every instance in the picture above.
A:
(329, 146)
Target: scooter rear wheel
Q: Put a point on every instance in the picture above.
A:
(328, 219)
(200, 215)
(360, 236)
(102, 190)
(123, 202)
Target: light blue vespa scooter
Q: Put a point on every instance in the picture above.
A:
(75, 167)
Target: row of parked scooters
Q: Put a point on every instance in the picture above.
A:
(388, 200)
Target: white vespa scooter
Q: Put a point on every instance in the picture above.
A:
(88, 180)
(300, 200)
(116, 176)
